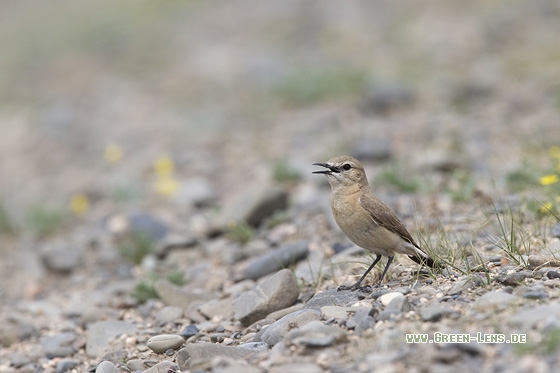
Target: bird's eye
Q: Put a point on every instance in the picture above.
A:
(346, 167)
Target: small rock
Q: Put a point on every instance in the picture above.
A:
(437, 313)
(275, 260)
(169, 314)
(495, 300)
(66, 365)
(255, 346)
(163, 367)
(135, 365)
(198, 192)
(217, 308)
(141, 223)
(332, 298)
(188, 331)
(399, 303)
(363, 320)
(336, 312)
(513, 279)
(388, 297)
(276, 315)
(106, 367)
(205, 352)
(253, 206)
(276, 331)
(174, 295)
(462, 283)
(62, 257)
(388, 314)
(163, 342)
(173, 241)
(536, 261)
(115, 357)
(535, 295)
(301, 368)
(529, 318)
(315, 334)
(60, 345)
(274, 293)
(553, 274)
(100, 333)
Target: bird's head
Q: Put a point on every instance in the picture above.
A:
(343, 171)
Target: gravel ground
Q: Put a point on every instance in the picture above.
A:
(158, 211)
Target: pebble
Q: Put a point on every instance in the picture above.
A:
(169, 314)
(143, 223)
(276, 315)
(115, 357)
(553, 274)
(135, 365)
(462, 283)
(437, 313)
(336, 312)
(100, 333)
(176, 296)
(535, 295)
(276, 331)
(255, 346)
(188, 331)
(332, 298)
(163, 367)
(198, 192)
(66, 365)
(217, 308)
(205, 352)
(363, 320)
(274, 293)
(315, 334)
(62, 257)
(301, 368)
(388, 297)
(275, 260)
(163, 342)
(59, 345)
(400, 304)
(514, 279)
(495, 300)
(529, 318)
(106, 367)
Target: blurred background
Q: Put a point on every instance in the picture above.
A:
(115, 106)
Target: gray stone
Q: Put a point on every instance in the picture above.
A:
(276, 315)
(460, 285)
(332, 298)
(275, 292)
(385, 299)
(275, 332)
(188, 331)
(437, 313)
(536, 261)
(535, 295)
(255, 346)
(106, 367)
(66, 365)
(337, 312)
(553, 274)
(176, 296)
(205, 352)
(173, 241)
(363, 320)
(495, 300)
(135, 365)
(62, 257)
(198, 192)
(115, 357)
(142, 223)
(100, 333)
(529, 318)
(18, 359)
(169, 314)
(399, 303)
(275, 260)
(388, 314)
(315, 334)
(254, 205)
(220, 308)
(163, 342)
(163, 367)
(514, 279)
(60, 345)
(301, 368)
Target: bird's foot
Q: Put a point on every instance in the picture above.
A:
(364, 289)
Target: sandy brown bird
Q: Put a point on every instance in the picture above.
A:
(365, 219)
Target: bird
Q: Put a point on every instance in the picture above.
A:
(365, 219)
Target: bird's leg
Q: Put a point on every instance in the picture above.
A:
(358, 284)
(389, 260)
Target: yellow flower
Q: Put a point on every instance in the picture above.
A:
(113, 153)
(166, 186)
(546, 207)
(164, 166)
(79, 204)
(549, 179)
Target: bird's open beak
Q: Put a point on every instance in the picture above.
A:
(330, 170)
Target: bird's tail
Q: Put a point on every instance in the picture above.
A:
(425, 261)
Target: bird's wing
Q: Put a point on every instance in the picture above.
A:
(383, 216)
